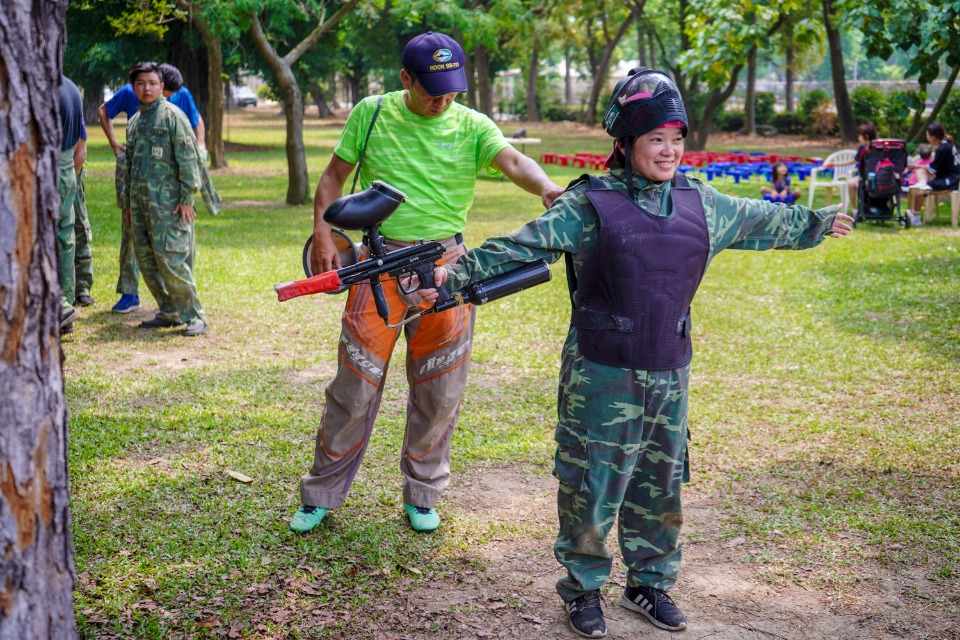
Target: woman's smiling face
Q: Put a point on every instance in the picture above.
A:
(656, 154)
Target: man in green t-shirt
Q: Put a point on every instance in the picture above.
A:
(430, 148)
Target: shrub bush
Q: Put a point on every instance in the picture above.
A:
(763, 109)
(950, 115)
(899, 112)
(810, 105)
(554, 113)
(811, 100)
(732, 121)
(823, 121)
(788, 123)
(868, 105)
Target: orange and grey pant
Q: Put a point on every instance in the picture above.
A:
(437, 363)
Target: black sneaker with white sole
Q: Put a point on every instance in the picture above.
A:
(586, 617)
(656, 606)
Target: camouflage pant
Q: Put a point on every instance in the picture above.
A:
(622, 441)
(66, 240)
(83, 255)
(165, 247)
(129, 280)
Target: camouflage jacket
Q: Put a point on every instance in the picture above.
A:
(162, 157)
(570, 226)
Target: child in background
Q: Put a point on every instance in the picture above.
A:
(781, 191)
(925, 151)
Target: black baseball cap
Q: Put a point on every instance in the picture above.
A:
(437, 61)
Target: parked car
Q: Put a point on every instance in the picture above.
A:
(244, 97)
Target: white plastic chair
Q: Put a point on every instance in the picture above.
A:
(843, 163)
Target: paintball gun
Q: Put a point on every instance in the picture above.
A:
(414, 264)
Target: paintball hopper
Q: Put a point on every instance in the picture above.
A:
(364, 209)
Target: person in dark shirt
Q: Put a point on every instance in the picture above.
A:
(943, 172)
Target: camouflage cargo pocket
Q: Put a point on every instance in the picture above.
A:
(178, 239)
(570, 467)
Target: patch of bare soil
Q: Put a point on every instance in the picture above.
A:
(723, 598)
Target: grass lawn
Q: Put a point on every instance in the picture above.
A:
(823, 414)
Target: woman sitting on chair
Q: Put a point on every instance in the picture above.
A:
(943, 172)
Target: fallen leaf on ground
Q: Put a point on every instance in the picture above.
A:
(239, 477)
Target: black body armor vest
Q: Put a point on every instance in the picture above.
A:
(637, 283)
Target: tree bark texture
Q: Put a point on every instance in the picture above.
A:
(481, 60)
(533, 112)
(845, 117)
(215, 94)
(36, 554)
(750, 102)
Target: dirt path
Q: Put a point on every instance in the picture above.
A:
(724, 598)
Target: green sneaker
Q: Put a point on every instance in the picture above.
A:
(307, 518)
(422, 518)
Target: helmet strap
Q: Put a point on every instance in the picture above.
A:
(627, 168)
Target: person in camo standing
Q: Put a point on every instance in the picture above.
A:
(161, 178)
(637, 242)
(83, 238)
(73, 151)
(430, 148)
(125, 101)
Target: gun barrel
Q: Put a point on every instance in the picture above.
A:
(500, 286)
(320, 283)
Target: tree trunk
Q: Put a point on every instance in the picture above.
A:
(641, 43)
(186, 54)
(323, 109)
(920, 126)
(92, 98)
(715, 98)
(567, 78)
(298, 180)
(481, 60)
(653, 52)
(602, 69)
(789, 80)
(215, 93)
(533, 112)
(845, 117)
(469, 70)
(750, 101)
(37, 573)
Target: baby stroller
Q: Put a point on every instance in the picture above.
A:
(881, 168)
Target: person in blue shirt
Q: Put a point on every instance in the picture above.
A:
(124, 100)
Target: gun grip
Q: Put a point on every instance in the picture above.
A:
(383, 310)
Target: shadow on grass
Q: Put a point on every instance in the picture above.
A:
(895, 297)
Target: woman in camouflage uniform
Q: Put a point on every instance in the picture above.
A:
(637, 241)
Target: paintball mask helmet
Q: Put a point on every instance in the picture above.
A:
(642, 101)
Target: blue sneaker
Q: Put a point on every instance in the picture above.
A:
(126, 304)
